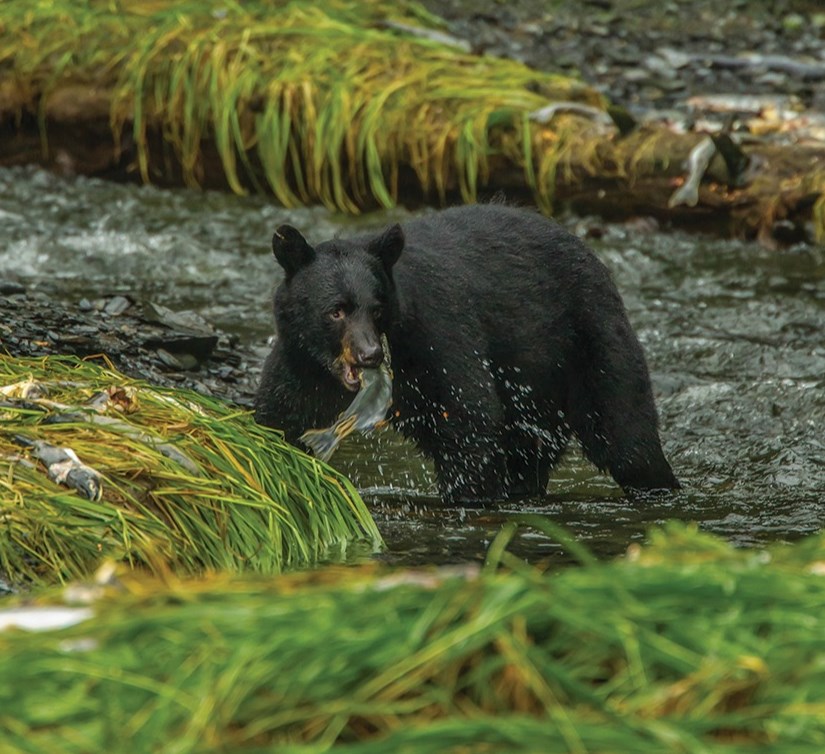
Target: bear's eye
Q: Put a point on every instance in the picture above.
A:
(337, 314)
(377, 311)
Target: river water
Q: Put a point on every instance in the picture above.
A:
(734, 334)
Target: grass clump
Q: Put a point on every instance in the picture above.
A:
(179, 481)
(684, 646)
(338, 102)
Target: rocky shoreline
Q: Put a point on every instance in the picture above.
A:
(649, 56)
(150, 343)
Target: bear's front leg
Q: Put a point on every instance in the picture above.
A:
(449, 407)
(294, 399)
(471, 476)
(469, 462)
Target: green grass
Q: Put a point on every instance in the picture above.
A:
(684, 646)
(188, 483)
(314, 101)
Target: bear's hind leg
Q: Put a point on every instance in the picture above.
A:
(613, 413)
(634, 457)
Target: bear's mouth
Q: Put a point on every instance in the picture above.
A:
(350, 376)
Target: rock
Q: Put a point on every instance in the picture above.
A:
(659, 66)
(117, 305)
(207, 359)
(11, 288)
(183, 345)
(675, 58)
(182, 362)
(185, 339)
(186, 320)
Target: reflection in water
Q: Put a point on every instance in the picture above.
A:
(733, 334)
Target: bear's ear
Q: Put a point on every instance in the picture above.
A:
(388, 246)
(291, 249)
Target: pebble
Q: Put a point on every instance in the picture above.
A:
(117, 305)
(623, 53)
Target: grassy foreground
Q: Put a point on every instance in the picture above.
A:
(685, 645)
(167, 479)
(316, 101)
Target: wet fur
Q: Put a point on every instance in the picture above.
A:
(507, 336)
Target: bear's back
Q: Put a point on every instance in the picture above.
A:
(511, 261)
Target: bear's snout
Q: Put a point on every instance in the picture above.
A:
(362, 343)
(369, 355)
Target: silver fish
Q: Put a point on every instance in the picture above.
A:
(366, 412)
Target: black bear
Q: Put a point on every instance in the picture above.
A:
(507, 335)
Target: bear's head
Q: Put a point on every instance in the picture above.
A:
(336, 300)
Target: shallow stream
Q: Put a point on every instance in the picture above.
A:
(734, 335)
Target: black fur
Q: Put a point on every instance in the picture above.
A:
(507, 336)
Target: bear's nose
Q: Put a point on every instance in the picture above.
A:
(370, 355)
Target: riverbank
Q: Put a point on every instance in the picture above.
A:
(448, 119)
(173, 349)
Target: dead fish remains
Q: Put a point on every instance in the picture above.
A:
(64, 467)
(698, 161)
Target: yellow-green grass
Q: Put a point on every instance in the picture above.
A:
(189, 483)
(316, 101)
(685, 646)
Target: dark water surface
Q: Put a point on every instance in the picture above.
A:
(734, 334)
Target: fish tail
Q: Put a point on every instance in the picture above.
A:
(322, 442)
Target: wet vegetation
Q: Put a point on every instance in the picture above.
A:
(97, 466)
(318, 102)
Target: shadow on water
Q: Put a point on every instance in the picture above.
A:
(734, 334)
